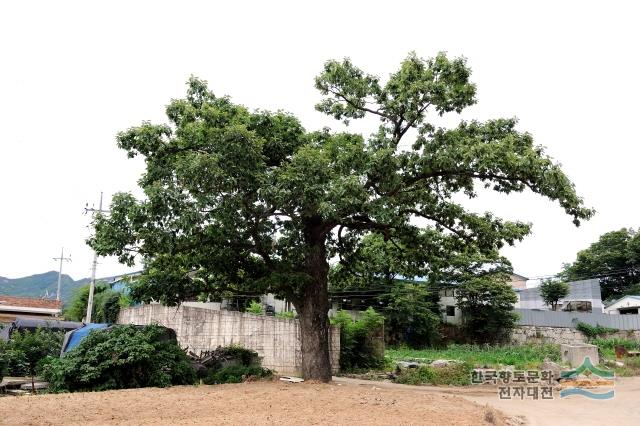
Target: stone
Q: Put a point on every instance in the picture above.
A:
(548, 365)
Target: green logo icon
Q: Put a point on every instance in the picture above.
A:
(596, 378)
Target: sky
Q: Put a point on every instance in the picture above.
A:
(74, 74)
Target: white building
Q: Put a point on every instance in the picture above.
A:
(583, 296)
(448, 303)
(624, 306)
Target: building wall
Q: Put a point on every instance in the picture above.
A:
(517, 281)
(449, 300)
(586, 290)
(277, 340)
(625, 302)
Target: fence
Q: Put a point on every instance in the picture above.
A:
(571, 319)
(277, 340)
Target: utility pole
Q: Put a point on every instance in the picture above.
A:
(94, 265)
(61, 259)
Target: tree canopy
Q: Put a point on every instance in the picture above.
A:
(552, 291)
(614, 259)
(238, 200)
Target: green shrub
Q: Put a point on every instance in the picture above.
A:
(232, 364)
(594, 331)
(119, 358)
(458, 374)
(106, 304)
(255, 308)
(237, 374)
(23, 353)
(411, 316)
(244, 356)
(3, 361)
(358, 348)
(286, 314)
(486, 303)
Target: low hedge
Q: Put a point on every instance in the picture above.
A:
(119, 358)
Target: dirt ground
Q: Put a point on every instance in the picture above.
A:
(271, 403)
(623, 409)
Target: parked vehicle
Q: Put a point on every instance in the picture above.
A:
(32, 324)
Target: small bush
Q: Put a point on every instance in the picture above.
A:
(23, 353)
(357, 346)
(238, 353)
(119, 358)
(458, 374)
(3, 361)
(594, 331)
(255, 308)
(237, 374)
(286, 314)
(232, 364)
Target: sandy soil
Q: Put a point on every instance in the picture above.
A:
(622, 410)
(275, 403)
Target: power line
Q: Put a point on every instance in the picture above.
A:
(61, 259)
(94, 264)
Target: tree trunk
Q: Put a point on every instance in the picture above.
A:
(312, 306)
(314, 334)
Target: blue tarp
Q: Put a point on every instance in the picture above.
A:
(73, 338)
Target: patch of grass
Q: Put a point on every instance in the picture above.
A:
(631, 367)
(454, 374)
(520, 356)
(607, 346)
(607, 349)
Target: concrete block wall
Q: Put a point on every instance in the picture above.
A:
(561, 335)
(538, 334)
(277, 340)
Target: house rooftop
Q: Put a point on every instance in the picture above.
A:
(520, 277)
(623, 297)
(28, 303)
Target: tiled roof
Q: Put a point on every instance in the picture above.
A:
(29, 302)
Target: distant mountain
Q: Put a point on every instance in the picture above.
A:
(41, 285)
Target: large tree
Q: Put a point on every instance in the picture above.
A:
(239, 200)
(614, 259)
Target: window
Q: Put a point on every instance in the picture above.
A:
(451, 311)
(449, 292)
(578, 306)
